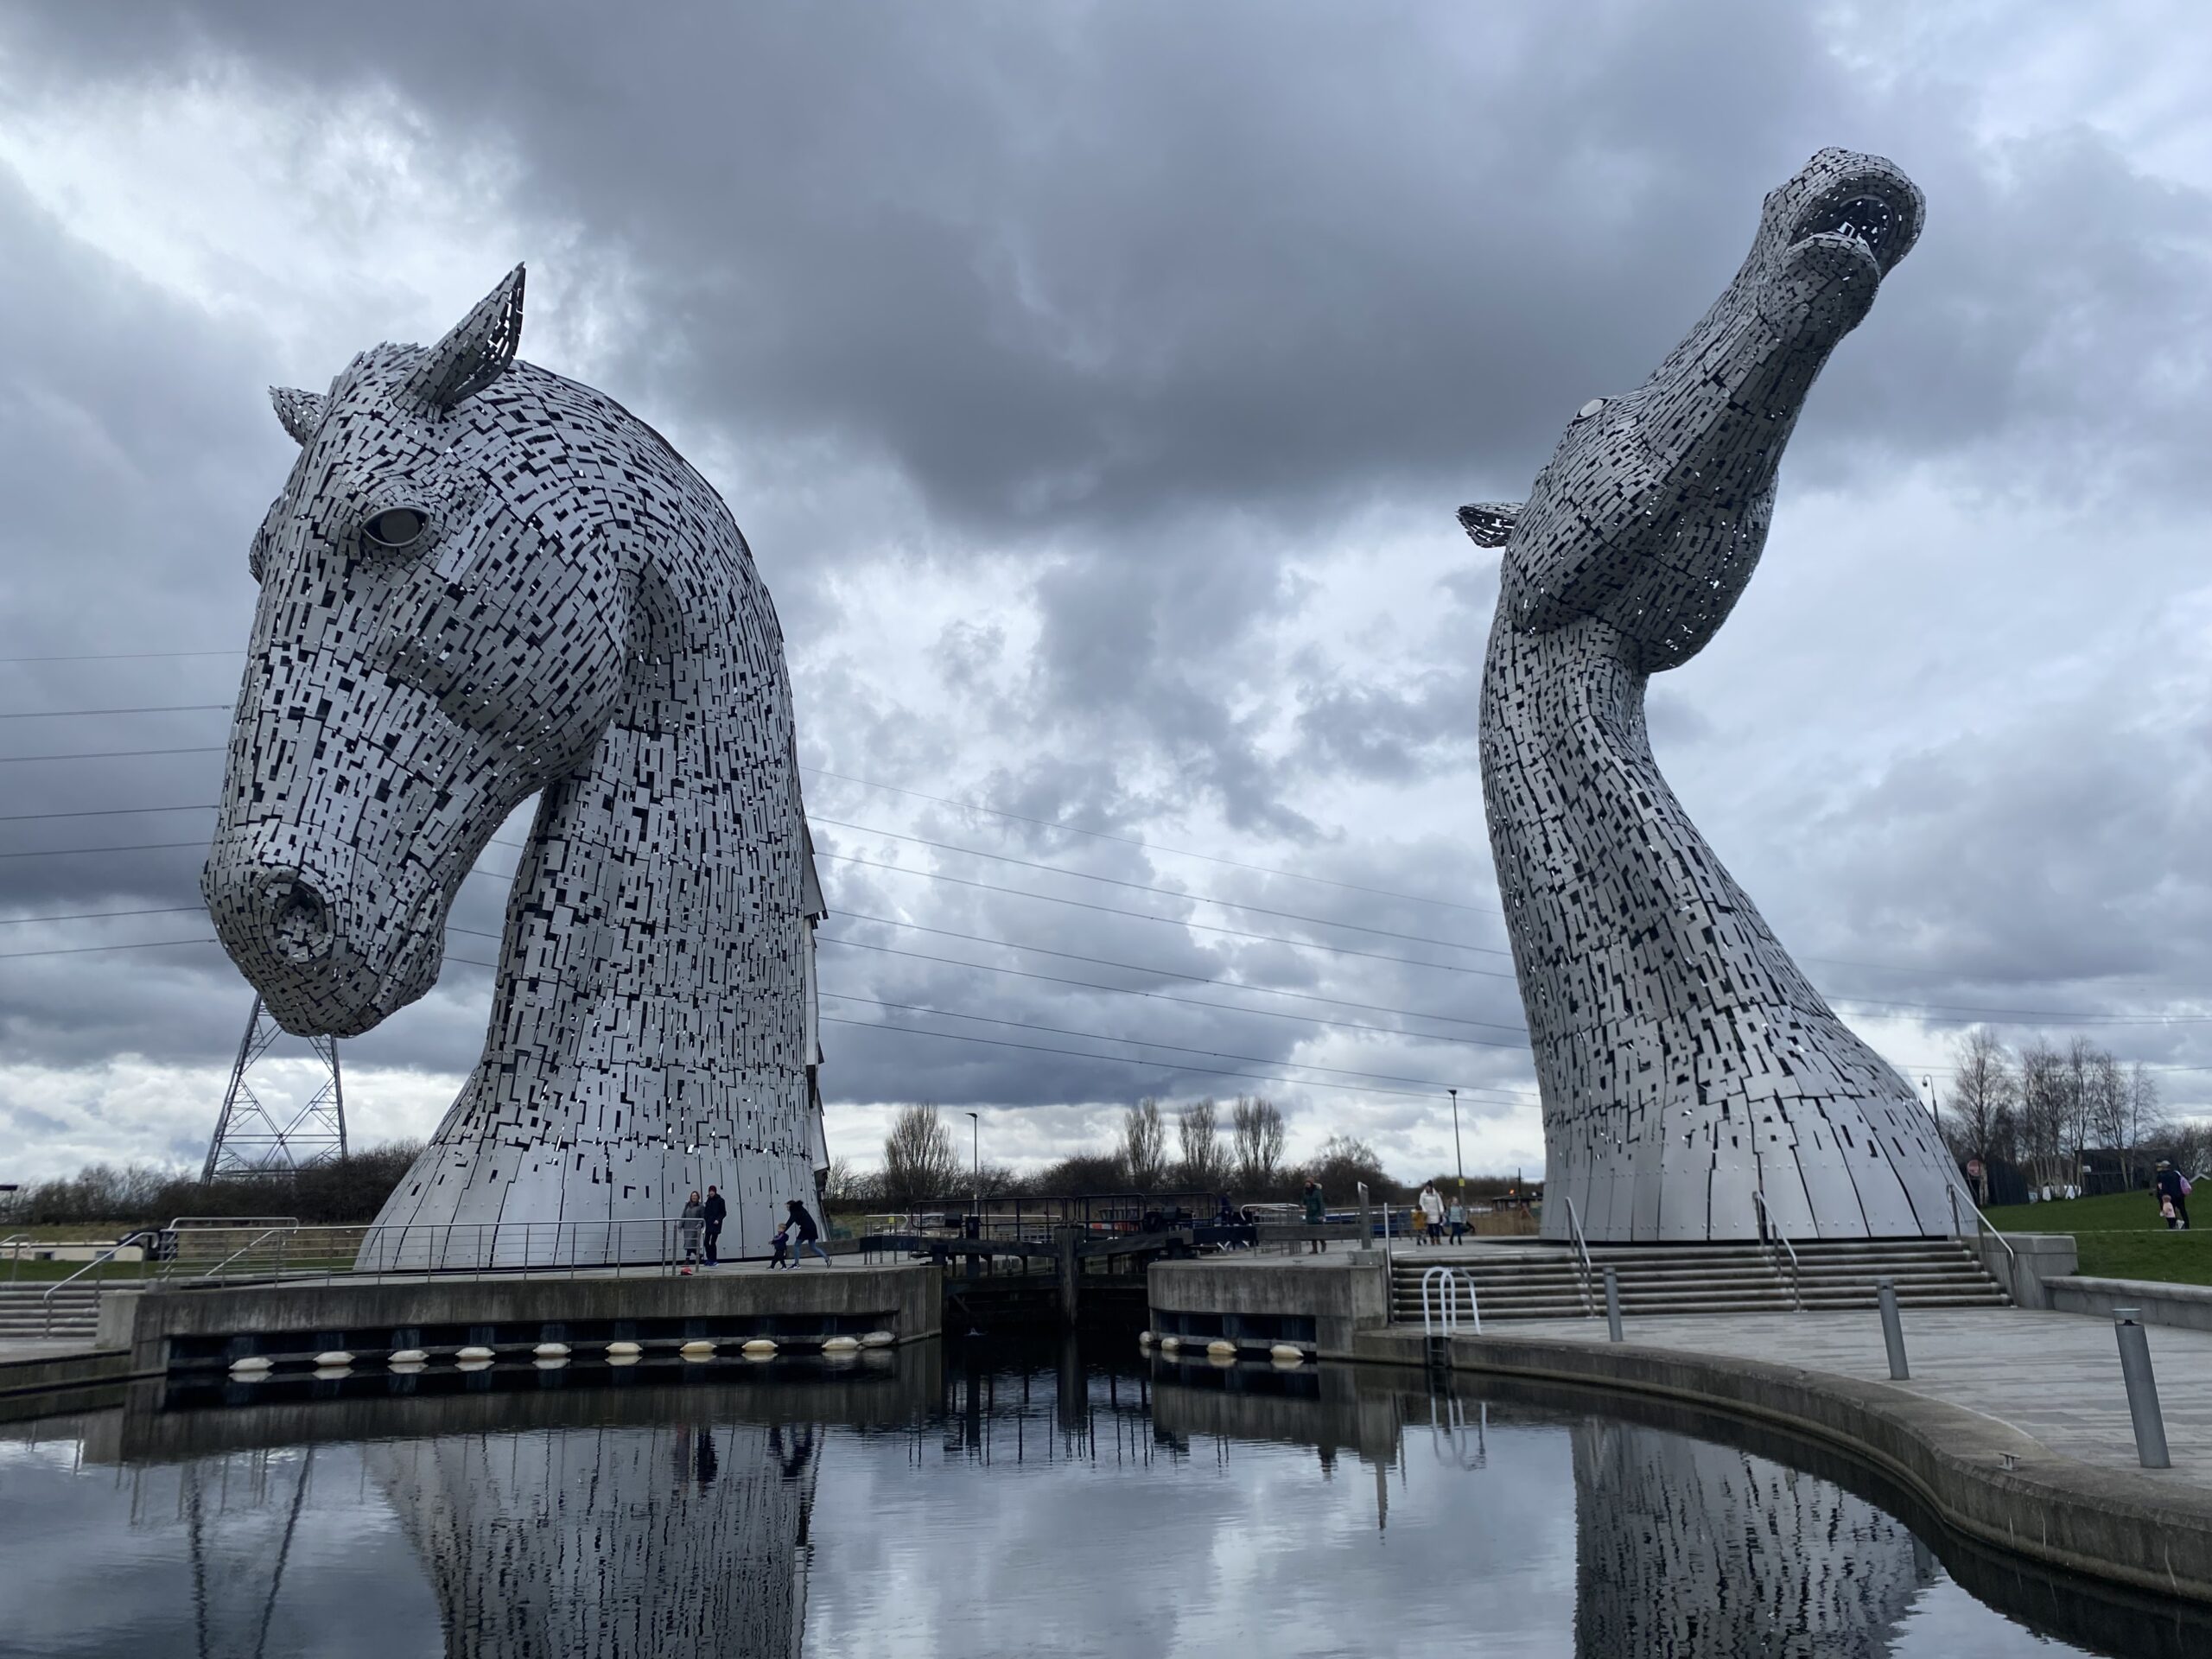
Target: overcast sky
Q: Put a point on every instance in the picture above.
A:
(1096, 385)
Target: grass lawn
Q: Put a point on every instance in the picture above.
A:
(2120, 1236)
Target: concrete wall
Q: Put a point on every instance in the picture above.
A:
(180, 1329)
(1341, 1292)
(2025, 1270)
(1983, 1476)
(2160, 1304)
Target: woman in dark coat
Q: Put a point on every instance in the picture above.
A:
(805, 1235)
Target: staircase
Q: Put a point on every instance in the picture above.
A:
(1542, 1281)
(22, 1312)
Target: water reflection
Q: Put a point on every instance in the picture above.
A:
(1682, 1546)
(605, 1542)
(976, 1500)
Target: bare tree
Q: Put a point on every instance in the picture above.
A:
(1983, 1092)
(2147, 1119)
(1197, 1132)
(1257, 1127)
(846, 1183)
(2044, 1113)
(1144, 1145)
(918, 1161)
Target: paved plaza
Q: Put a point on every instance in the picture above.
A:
(2053, 1376)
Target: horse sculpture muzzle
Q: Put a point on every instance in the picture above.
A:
(309, 928)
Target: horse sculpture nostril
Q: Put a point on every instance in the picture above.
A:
(299, 920)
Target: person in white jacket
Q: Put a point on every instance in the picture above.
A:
(1431, 1210)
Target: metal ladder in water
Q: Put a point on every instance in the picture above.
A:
(1436, 1333)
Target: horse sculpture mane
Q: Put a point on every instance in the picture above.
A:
(1695, 1085)
(484, 582)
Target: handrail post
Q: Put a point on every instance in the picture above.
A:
(1366, 1220)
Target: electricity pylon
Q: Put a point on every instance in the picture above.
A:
(252, 1138)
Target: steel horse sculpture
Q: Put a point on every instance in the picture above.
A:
(483, 582)
(1686, 1064)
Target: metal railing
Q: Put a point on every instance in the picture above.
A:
(45, 1301)
(14, 1245)
(1770, 1234)
(1582, 1260)
(1449, 1283)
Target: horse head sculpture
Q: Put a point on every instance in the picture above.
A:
(1695, 1084)
(483, 581)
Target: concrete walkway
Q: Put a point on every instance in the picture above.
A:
(2054, 1377)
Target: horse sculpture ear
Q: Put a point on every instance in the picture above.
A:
(1489, 522)
(300, 411)
(479, 349)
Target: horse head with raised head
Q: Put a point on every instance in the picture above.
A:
(1695, 1085)
(483, 581)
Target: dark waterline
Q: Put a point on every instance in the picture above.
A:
(981, 1499)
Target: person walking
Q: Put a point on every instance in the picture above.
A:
(2171, 1190)
(1432, 1212)
(1316, 1213)
(693, 1218)
(805, 1235)
(713, 1211)
(1457, 1215)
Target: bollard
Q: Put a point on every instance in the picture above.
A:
(1893, 1329)
(1612, 1305)
(2142, 1389)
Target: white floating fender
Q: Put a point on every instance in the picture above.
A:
(409, 1356)
(622, 1349)
(1221, 1347)
(551, 1351)
(759, 1348)
(697, 1349)
(841, 1345)
(878, 1339)
(1144, 1338)
(1284, 1353)
(465, 1354)
(1170, 1345)
(334, 1356)
(251, 1363)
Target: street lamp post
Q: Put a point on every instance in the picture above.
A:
(1928, 1083)
(1459, 1158)
(975, 1138)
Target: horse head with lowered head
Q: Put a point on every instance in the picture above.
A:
(482, 583)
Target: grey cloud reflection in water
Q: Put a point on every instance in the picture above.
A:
(1002, 1509)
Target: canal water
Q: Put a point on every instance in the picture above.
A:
(971, 1499)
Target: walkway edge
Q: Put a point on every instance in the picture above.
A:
(1984, 1477)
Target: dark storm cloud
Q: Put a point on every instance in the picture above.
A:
(1067, 264)
(1131, 318)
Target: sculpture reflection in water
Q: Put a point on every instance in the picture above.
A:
(608, 1541)
(1683, 1546)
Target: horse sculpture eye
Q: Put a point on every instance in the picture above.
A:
(396, 527)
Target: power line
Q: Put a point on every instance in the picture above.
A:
(1173, 973)
(1162, 997)
(1117, 1059)
(102, 812)
(122, 655)
(90, 915)
(109, 754)
(1138, 1042)
(1171, 892)
(140, 847)
(87, 950)
(152, 709)
(1171, 921)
